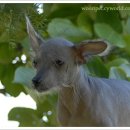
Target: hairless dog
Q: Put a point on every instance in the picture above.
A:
(83, 100)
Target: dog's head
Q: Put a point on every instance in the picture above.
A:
(57, 60)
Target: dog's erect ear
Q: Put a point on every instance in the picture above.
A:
(89, 47)
(34, 37)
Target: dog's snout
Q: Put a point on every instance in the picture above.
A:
(36, 81)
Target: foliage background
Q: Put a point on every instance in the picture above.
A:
(72, 22)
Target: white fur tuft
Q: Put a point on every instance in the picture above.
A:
(107, 50)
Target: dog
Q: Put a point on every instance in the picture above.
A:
(83, 100)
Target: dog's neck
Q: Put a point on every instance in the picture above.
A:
(78, 89)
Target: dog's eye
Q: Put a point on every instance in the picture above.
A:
(59, 62)
(34, 63)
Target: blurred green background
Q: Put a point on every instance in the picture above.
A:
(70, 21)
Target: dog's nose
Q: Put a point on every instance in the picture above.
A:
(36, 82)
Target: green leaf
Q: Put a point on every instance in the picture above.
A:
(65, 10)
(49, 103)
(25, 116)
(126, 68)
(46, 102)
(66, 29)
(6, 77)
(125, 13)
(7, 53)
(117, 73)
(24, 75)
(85, 22)
(111, 17)
(127, 40)
(26, 44)
(127, 27)
(106, 32)
(116, 62)
(96, 67)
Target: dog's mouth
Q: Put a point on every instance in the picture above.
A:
(40, 88)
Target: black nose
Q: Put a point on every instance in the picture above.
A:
(36, 81)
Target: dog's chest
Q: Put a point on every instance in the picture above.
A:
(80, 113)
(71, 101)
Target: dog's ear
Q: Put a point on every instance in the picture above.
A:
(34, 37)
(88, 48)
